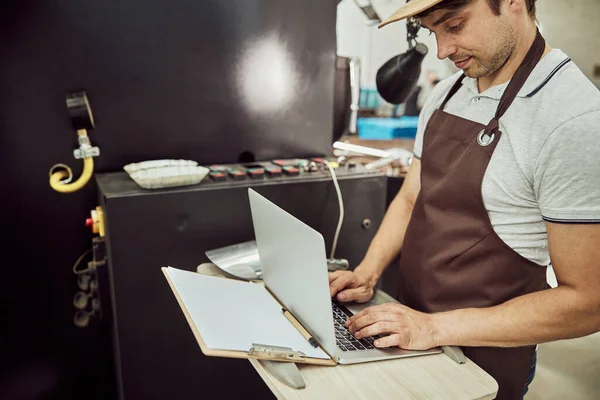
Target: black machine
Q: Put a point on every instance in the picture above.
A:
(165, 81)
(156, 353)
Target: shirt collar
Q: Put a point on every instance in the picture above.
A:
(543, 71)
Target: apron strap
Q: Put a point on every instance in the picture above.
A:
(457, 85)
(527, 66)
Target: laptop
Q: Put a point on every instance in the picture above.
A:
(294, 268)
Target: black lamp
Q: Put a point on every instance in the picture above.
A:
(397, 78)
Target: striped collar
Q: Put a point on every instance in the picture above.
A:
(540, 76)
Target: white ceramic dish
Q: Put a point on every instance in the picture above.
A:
(173, 176)
(135, 167)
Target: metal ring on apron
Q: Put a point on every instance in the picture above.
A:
(488, 138)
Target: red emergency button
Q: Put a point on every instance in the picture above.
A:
(96, 221)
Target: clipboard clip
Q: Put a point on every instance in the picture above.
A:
(280, 363)
(275, 353)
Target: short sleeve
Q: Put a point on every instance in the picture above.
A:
(432, 102)
(423, 119)
(567, 172)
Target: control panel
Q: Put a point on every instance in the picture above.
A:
(280, 170)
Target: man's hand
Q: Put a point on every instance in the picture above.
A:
(351, 286)
(399, 325)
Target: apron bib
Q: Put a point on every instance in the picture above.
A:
(451, 257)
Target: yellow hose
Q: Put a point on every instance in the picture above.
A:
(57, 177)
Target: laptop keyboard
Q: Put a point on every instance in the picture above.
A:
(343, 338)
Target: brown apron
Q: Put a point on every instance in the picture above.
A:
(451, 257)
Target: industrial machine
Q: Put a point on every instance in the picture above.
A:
(156, 355)
(186, 80)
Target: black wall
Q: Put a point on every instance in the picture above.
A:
(165, 80)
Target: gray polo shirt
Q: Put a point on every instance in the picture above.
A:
(546, 166)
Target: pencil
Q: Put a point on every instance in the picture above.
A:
(300, 328)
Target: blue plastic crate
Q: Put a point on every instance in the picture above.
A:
(387, 128)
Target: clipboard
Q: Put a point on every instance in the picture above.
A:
(260, 351)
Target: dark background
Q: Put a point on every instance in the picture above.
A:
(165, 80)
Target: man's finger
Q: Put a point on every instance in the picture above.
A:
(389, 341)
(359, 295)
(338, 284)
(355, 323)
(368, 310)
(367, 320)
(378, 328)
(334, 275)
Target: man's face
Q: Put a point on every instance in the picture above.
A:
(475, 39)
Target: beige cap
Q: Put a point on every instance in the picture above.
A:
(410, 9)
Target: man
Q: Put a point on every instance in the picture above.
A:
(505, 181)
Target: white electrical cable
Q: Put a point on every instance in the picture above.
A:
(341, 203)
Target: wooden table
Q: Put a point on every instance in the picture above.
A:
(425, 377)
(428, 377)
